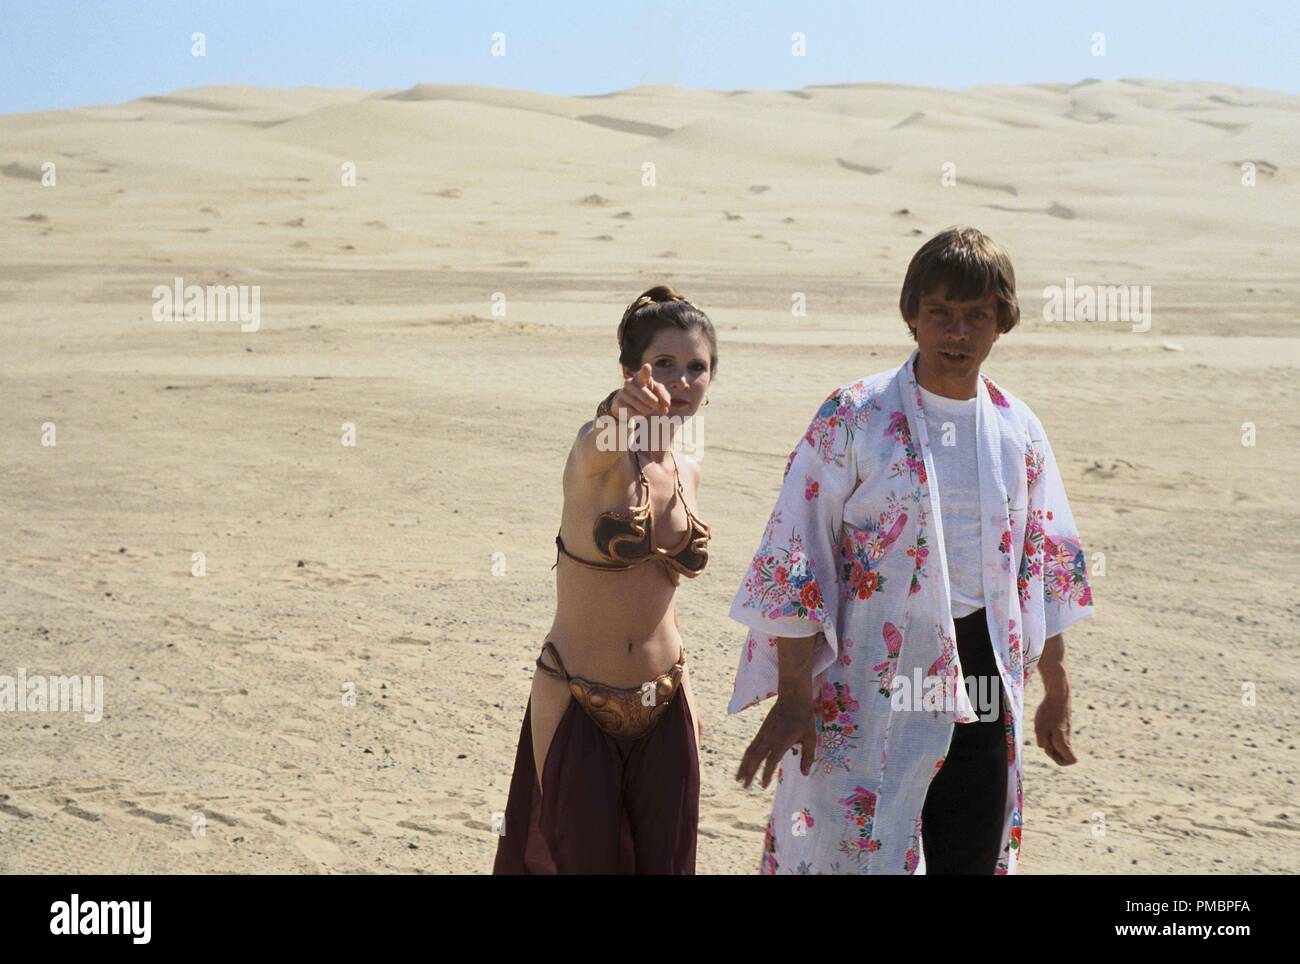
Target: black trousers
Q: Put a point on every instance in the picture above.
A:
(961, 822)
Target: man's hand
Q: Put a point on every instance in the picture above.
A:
(788, 723)
(1052, 721)
(1052, 726)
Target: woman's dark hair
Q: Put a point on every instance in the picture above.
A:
(653, 311)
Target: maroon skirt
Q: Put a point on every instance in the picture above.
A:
(611, 806)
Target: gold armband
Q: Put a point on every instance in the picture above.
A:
(604, 407)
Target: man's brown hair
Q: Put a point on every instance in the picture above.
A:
(961, 264)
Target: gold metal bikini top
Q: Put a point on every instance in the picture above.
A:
(626, 539)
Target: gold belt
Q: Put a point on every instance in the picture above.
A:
(629, 713)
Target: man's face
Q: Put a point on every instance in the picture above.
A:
(954, 337)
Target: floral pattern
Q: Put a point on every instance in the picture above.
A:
(1014, 663)
(919, 551)
(860, 814)
(946, 672)
(995, 396)
(861, 552)
(782, 583)
(1011, 848)
(1065, 577)
(911, 464)
(885, 670)
(1033, 463)
(837, 421)
(913, 856)
(834, 712)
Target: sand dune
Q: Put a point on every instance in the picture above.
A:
(370, 567)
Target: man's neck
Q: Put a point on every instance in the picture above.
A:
(963, 388)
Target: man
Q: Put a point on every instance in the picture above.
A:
(922, 537)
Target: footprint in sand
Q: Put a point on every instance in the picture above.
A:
(320, 850)
(1055, 210)
(25, 172)
(412, 825)
(990, 186)
(859, 168)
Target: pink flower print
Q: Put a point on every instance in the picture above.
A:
(1058, 554)
(893, 639)
(885, 670)
(899, 428)
(790, 461)
(862, 802)
(945, 670)
(1033, 464)
(995, 396)
(810, 489)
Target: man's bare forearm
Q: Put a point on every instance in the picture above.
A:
(1051, 665)
(794, 657)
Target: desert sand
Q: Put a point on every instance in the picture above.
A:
(369, 568)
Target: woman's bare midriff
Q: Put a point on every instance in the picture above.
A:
(615, 628)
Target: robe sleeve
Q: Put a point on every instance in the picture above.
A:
(792, 585)
(1053, 550)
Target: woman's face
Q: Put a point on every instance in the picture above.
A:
(679, 360)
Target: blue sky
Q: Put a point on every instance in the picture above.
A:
(69, 54)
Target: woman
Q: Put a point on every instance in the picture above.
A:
(606, 776)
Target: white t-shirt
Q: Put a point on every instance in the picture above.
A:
(957, 466)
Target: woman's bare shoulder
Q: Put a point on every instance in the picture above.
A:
(587, 468)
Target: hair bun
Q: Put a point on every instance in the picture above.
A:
(658, 295)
